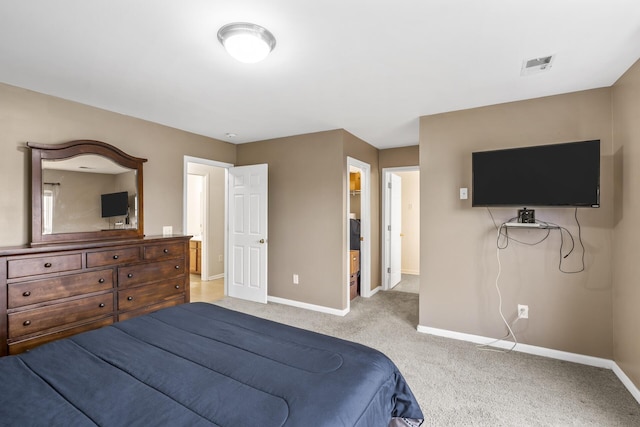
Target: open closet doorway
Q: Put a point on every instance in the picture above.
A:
(358, 230)
(204, 217)
(401, 229)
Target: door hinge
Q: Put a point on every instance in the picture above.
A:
(388, 228)
(388, 185)
(389, 270)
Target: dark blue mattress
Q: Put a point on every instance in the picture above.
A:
(201, 365)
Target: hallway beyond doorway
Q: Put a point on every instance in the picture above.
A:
(409, 283)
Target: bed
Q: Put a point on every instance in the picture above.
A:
(199, 364)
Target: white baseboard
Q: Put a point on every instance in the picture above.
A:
(313, 307)
(307, 306)
(412, 272)
(635, 392)
(375, 291)
(539, 351)
(217, 276)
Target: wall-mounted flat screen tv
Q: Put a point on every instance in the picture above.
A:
(115, 204)
(547, 175)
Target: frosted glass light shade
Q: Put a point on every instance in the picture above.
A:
(248, 43)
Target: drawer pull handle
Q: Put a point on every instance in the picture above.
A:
(101, 305)
(177, 286)
(116, 257)
(166, 251)
(47, 265)
(26, 322)
(177, 267)
(101, 280)
(130, 275)
(26, 294)
(129, 298)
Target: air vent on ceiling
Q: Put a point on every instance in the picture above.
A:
(536, 65)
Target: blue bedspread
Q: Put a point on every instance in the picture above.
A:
(201, 365)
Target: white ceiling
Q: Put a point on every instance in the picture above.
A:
(371, 67)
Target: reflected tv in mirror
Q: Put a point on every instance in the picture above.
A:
(547, 175)
(115, 204)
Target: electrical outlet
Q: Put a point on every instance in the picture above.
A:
(523, 311)
(296, 279)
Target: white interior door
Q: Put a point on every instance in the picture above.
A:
(247, 273)
(395, 230)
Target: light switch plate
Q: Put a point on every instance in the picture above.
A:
(464, 194)
(167, 230)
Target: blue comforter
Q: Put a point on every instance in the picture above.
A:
(201, 365)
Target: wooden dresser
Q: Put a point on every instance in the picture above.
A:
(52, 292)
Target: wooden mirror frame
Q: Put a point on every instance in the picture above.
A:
(40, 152)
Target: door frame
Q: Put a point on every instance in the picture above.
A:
(365, 229)
(185, 169)
(386, 179)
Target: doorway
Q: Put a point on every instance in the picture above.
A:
(401, 229)
(358, 229)
(204, 217)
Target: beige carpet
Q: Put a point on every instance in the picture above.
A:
(458, 385)
(408, 283)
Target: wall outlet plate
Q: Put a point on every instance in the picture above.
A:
(523, 311)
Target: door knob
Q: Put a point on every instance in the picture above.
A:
(261, 241)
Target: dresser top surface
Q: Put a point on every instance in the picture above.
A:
(28, 249)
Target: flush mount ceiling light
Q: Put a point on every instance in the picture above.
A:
(248, 43)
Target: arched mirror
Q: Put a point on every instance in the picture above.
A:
(84, 190)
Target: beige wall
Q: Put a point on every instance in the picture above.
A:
(308, 189)
(626, 251)
(30, 116)
(306, 215)
(570, 312)
(398, 157)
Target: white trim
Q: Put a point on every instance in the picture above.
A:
(214, 163)
(313, 307)
(375, 290)
(384, 197)
(635, 392)
(411, 272)
(365, 229)
(523, 348)
(597, 362)
(215, 277)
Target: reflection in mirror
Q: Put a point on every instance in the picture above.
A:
(88, 193)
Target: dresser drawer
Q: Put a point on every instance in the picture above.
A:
(150, 308)
(43, 265)
(171, 250)
(113, 257)
(134, 298)
(25, 293)
(143, 273)
(31, 321)
(26, 345)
